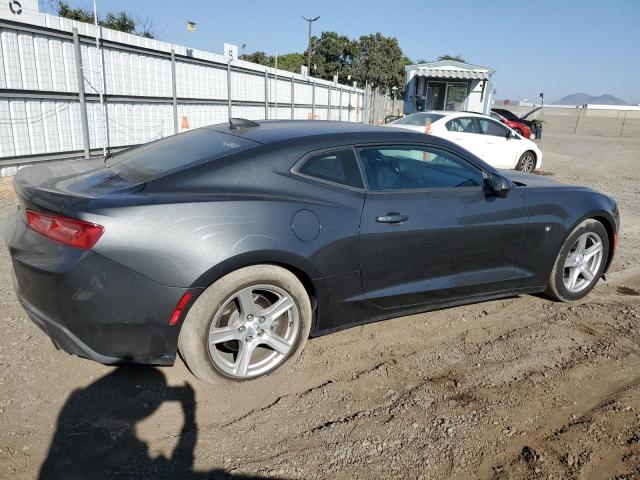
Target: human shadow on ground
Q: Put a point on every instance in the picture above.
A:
(95, 436)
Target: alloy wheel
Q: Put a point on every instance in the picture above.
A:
(583, 262)
(253, 331)
(527, 163)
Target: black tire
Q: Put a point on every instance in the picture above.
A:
(527, 162)
(518, 131)
(556, 288)
(193, 339)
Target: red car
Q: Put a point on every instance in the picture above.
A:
(519, 127)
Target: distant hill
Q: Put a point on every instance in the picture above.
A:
(583, 98)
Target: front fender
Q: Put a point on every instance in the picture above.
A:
(553, 214)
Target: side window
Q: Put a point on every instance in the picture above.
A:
(462, 124)
(410, 168)
(489, 127)
(338, 167)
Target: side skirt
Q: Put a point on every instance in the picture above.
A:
(370, 317)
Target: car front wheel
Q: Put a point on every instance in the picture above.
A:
(580, 263)
(527, 162)
(247, 324)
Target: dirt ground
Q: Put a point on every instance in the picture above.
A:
(515, 388)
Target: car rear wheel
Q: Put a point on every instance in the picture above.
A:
(580, 263)
(247, 324)
(518, 131)
(527, 162)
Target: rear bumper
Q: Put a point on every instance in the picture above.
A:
(63, 338)
(89, 305)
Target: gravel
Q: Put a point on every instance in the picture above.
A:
(514, 388)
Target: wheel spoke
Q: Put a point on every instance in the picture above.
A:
(592, 250)
(587, 274)
(582, 245)
(276, 342)
(573, 278)
(274, 311)
(245, 299)
(570, 261)
(225, 334)
(243, 360)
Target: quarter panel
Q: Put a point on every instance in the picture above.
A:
(178, 240)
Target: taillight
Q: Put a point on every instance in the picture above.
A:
(175, 316)
(69, 231)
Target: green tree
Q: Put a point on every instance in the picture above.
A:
(380, 62)
(120, 21)
(260, 58)
(455, 58)
(332, 53)
(289, 61)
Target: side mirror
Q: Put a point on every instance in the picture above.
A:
(498, 185)
(508, 135)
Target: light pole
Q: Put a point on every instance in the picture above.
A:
(310, 21)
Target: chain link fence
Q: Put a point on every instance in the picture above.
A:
(586, 120)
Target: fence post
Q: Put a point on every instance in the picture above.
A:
(357, 106)
(84, 120)
(340, 105)
(350, 107)
(577, 129)
(624, 119)
(266, 95)
(229, 107)
(313, 100)
(329, 102)
(293, 98)
(174, 91)
(365, 103)
(103, 91)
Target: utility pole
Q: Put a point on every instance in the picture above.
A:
(310, 21)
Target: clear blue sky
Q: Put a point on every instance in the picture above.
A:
(556, 46)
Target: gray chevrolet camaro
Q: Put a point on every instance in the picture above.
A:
(234, 243)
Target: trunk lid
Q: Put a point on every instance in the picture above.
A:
(56, 186)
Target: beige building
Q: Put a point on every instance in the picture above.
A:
(447, 85)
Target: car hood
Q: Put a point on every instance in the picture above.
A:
(530, 112)
(532, 179)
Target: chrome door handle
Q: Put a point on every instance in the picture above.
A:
(392, 217)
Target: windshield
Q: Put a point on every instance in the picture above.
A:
(418, 119)
(173, 153)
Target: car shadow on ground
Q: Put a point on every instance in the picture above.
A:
(96, 436)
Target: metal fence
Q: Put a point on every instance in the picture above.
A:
(590, 120)
(70, 89)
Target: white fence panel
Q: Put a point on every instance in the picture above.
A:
(41, 115)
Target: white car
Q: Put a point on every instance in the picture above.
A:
(483, 136)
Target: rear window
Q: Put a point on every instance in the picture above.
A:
(337, 167)
(177, 152)
(418, 119)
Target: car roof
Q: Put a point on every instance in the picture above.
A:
(275, 131)
(449, 115)
(321, 133)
